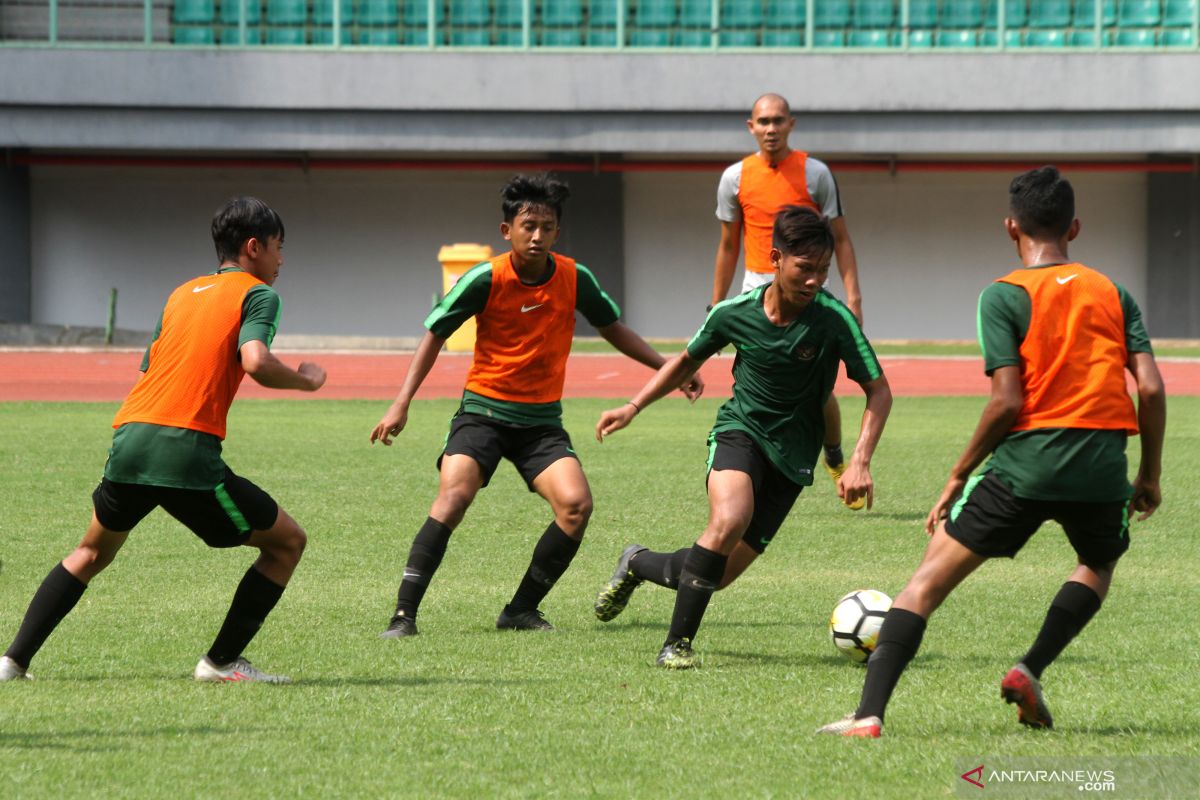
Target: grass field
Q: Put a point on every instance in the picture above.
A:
(466, 711)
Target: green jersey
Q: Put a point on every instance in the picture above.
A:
(782, 376)
(1072, 464)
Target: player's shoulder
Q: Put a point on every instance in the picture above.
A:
(829, 305)
(815, 166)
(732, 173)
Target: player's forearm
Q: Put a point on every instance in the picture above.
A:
(723, 269)
(847, 264)
(423, 360)
(994, 424)
(269, 371)
(674, 372)
(875, 415)
(627, 341)
(1152, 424)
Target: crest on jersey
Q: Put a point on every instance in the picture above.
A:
(806, 352)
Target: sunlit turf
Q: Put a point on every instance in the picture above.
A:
(466, 711)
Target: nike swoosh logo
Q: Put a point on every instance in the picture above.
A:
(198, 289)
(1066, 280)
(526, 309)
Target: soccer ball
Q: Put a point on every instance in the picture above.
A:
(855, 623)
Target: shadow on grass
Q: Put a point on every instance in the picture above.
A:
(664, 624)
(109, 740)
(412, 681)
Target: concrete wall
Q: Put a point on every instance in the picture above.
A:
(361, 246)
(14, 244)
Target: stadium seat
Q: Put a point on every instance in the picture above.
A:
(873, 40)
(230, 37)
(989, 38)
(1138, 14)
(603, 14)
(1136, 37)
(959, 14)
(1016, 14)
(231, 11)
(1046, 38)
(286, 12)
(325, 36)
(829, 38)
(1179, 13)
(739, 39)
(654, 13)
(1085, 14)
(385, 12)
(602, 38)
(650, 37)
(874, 13)
(741, 13)
(922, 14)
(470, 37)
(694, 37)
(470, 13)
(957, 39)
(696, 14)
(793, 38)
(1049, 13)
(193, 11)
(510, 37)
(1086, 38)
(831, 14)
(920, 39)
(786, 13)
(416, 14)
(560, 37)
(287, 37)
(1177, 37)
(419, 37)
(562, 13)
(511, 13)
(371, 37)
(323, 12)
(192, 35)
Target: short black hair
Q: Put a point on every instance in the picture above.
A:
(242, 218)
(524, 192)
(1042, 202)
(801, 231)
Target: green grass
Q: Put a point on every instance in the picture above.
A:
(466, 711)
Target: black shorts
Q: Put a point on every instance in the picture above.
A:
(774, 493)
(991, 521)
(222, 517)
(531, 448)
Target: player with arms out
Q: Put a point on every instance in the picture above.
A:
(749, 195)
(1057, 338)
(524, 303)
(166, 450)
(791, 336)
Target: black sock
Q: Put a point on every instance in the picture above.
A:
(551, 557)
(834, 455)
(702, 571)
(54, 599)
(256, 595)
(899, 640)
(661, 568)
(1072, 608)
(423, 560)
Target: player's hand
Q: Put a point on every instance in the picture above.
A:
(856, 482)
(314, 373)
(1147, 497)
(693, 388)
(941, 510)
(614, 419)
(392, 423)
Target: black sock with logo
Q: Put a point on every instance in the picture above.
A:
(424, 557)
(54, 599)
(663, 569)
(1070, 610)
(551, 557)
(256, 595)
(899, 639)
(702, 572)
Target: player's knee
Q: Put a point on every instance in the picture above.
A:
(87, 560)
(576, 511)
(454, 500)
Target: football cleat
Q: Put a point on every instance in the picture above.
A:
(865, 728)
(615, 595)
(531, 620)
(836, 472)
(12, 671)
(678, 655)
(240, 670)
(1020, 687)
(401, 626)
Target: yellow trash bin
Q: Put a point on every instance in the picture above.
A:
(456, 260)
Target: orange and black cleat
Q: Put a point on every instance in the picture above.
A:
(1020, 687)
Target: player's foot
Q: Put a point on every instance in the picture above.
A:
(239, 670)
(836, 472)
(865, 728)
(1020, 687)
(401, 625)
(530, 620)
(613, 597)
(678, 655)
(12, 671)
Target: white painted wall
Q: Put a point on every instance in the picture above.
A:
(361, 246)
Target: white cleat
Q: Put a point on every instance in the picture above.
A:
(12, 671)
(239, 671)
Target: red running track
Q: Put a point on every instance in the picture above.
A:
(107, 375)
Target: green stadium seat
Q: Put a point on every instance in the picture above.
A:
(1046, 38)
(470, 13)
(419, 37)
(1086, 38)
(603, 14)
(793, 38)
(324, 36)
(695, 14)
(1178, 37)
(874, 14)
(231, 11)
(287, 37)
(323, 12)
(193, 35)
(654, 14)
(562, 13)
(560, 37)
(372, 37)
(416, 14)
(831, 14)
(650, 37)
(1049, 13)
(920, 39)
(380, 12)
(957, 39)
(1136, 37)
(961, 14)
(286, 12)
(602, 38)
(786, 13)
(1138, 14)
(511, 13)
(829, 38)
(741, 13)
(1016, 14)
(1085, 15)
(922, 14)
(990, 37)
(871, 39)
(739, 39)
(1179, 13)
(193, 11)
(510, 37)
(471, 37)
(229, 37)
(693, 37)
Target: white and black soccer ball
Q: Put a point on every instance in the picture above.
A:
(855, 623)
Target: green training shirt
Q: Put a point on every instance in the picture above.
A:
(470, 296)
(782, 376)
(1072, 464)
(157, 455)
